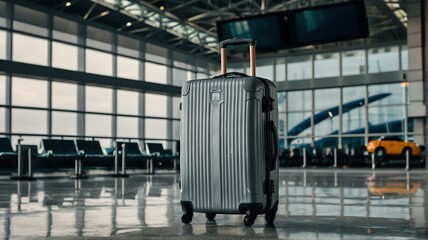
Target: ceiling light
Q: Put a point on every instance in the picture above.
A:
(105, 13)
(162, 7)
(68, 4)
(128, 24)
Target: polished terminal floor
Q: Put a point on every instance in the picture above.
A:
(314, 204)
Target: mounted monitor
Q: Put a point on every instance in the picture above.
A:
(328, 23)
(296, 28)
(266, 29)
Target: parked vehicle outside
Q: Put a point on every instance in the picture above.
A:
(393, 146)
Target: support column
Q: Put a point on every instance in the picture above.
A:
(141, 98)
(416, 74)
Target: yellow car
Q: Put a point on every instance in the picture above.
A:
(390, 145)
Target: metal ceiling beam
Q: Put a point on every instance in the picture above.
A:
(165, 19)
(89, 11)
(223, 9)
(182, 5)
(383, 8)
(100, 15)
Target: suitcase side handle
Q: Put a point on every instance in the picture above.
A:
(275, 146)
(237, 41)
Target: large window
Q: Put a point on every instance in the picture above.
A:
(299, 68)
(2, 119)
(326, 65)
(383, 59)
(176, 101)
(127, 102)
(176, 130)
(155, 73)
(127, 127)
(180, 76)
(3, 14)
(381, 110)
(98, 38)
(156, 128)
(64, 56)
(156, 105)
(326, 118)
(99, 99)
(64, 123)
(296, 123)
(280, 70)
(3, 48)
(98, 125)
(99, 62)
(299, 100)
(31, 21)
(156, 54)
(264, 69)
(354, 112)
(2, 90)
(404, 58)
(29, 121)
(281, 100)
(386, 111)
(128, 46)
(176, 114)
(64, 95)
(64, 30)
(29, 92)
(299, 112)
(353, 62)
(34, 53)
(127, 68)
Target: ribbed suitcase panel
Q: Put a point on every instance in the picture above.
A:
(234, 167)
(222, 148)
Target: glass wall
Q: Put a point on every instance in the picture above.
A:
(340, 114)
(329, 116)
(3, 44)
(327, 65)
(64, 56)
(44, 108)
(34, 53)
(299, 68)
(384, 59)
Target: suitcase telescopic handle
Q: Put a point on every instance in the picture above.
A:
(238, 41)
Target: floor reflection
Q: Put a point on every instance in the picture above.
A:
(314, 204)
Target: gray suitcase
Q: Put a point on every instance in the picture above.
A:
(229, 144)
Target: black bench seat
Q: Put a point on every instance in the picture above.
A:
(61, 154)
(162, 158)
(94, 155)
(7, 155)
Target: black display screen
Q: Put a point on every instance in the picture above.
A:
(296, 28)
(330, 23)
(264, 28)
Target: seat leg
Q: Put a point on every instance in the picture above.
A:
(78, 174)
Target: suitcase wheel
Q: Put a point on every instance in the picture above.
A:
(249, 220)
(210, 216)
(186, 218)
(187, 212)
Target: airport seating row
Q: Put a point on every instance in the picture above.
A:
(65, 153)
